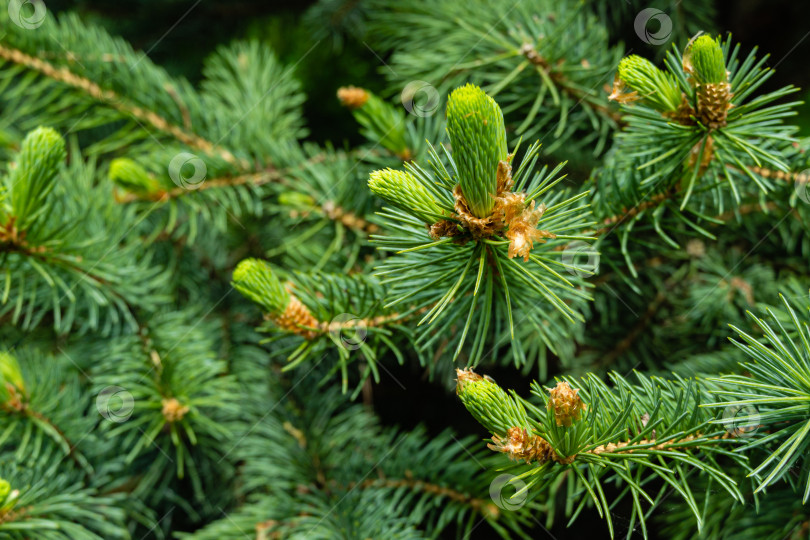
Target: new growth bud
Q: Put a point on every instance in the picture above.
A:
(566, 405)
(254, 278)
(494, 409)
(10, 371)
(402, 190)
(704, 61)
(12, 386)
(5, 489)
(132, 177)
(478, 140)
(352, 96)
(652, 85)
(32, 179)
(173, 410)
(8, 497)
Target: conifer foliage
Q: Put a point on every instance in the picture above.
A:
(204, 305)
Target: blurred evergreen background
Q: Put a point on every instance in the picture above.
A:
(179, 34)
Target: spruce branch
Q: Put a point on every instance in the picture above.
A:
(542, 61)
(718, 135)
(52, 239)
(631, 434)
(244, 124)
(43, 407)
(255, 280)
(110, 98)
(324, 314)
(324, 447)
(180, 405)
(628, 214)
(139, 186)
(656, 419)
(775, 395)
(798, 177)
(43, 497)
(777, 515)
(471, 259)
(146, 106)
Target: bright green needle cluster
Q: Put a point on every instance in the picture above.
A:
(42, 151)
(489, 404)
(706, 57)
(10, 372)
(132, 177)
(653, 85)
(254, 278)
(403, 190)
(478, 139)
(7, 497)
